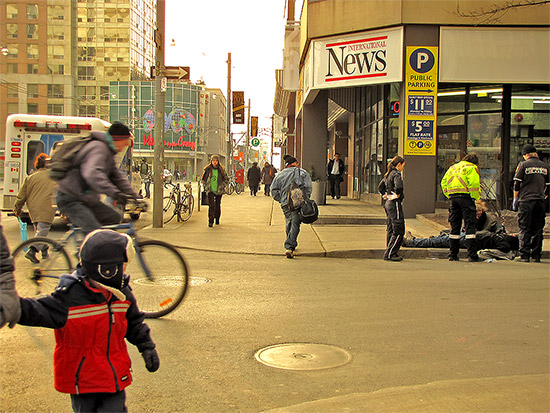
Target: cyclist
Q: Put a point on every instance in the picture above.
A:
(95, 172)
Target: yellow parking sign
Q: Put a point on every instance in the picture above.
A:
(421, 78)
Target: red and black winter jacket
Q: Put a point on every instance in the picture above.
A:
(90, 327)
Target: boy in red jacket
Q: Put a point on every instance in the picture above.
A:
(92, 311)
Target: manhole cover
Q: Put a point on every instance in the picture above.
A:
(170, 281)
(198, 281)
(302, 356)
(164, 281)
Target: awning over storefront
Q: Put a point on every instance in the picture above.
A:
(282, 96)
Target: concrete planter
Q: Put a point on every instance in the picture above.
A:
(318, 193)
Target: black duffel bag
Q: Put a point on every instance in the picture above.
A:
(308, 212)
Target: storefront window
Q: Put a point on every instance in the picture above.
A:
(485, 98)
(451, 99)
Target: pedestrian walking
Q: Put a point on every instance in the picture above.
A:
(214, 180)
(461, 185)
(280, 190)
(92, 312)
(268, 173)
(37, 192)
(391, 189)
(95, 172)
(335, 173)
(253, 176)
(531, 188)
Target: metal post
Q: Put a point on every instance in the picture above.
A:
(229, 113)
(247, 148)
(158, 160)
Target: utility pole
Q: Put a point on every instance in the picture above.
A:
(229, 117)
(160, 83)
(247, 149)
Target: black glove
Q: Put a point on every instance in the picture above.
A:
(122, 198)
(151, 358)
(142, 205)
(10, 307)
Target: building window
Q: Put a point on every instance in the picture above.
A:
(12, 108)
(56, 13)
(13, 50)
(12, 30)
(54, 69)
(56, 91)
(32, 11)
(32, 51)
(32, 108)
(86, 73)
(13, 90)
(32, 31)
(12, 68)
(12, 12)
(55, 109)
(32, 68)
(32, 90)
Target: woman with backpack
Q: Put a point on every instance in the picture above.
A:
(391, 189)
(268, 173)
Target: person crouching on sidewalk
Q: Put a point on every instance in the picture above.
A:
(279, 191)
(214, 180)
(92, 311)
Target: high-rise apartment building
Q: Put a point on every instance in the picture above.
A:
(60, 55)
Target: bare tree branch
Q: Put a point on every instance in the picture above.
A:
(495, 12)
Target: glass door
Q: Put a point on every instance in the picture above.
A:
(450, 147)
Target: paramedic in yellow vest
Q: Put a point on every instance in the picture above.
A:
(461, 185)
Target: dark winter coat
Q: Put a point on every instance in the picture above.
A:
(206, 177)
(253, 176)
(268, 173)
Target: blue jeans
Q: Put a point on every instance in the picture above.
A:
(87, 217)
(292, 228)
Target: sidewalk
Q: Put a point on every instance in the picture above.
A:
(256, 225)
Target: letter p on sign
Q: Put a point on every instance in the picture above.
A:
(421, 59)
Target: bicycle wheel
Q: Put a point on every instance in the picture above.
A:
(164, 291)
(41, 277)
(186, 207)
(230, 188)
(168, 209)
(239, 188)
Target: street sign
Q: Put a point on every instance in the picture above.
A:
(255, 142)
(173, 72)
(421, 77)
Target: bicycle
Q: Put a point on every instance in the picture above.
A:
(234, 186)
(179, 203)
(158, 273)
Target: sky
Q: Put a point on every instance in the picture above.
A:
(200, 34)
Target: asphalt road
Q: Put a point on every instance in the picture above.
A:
(407, 325)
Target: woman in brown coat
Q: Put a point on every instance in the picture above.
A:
(268, 173)
(37, 193)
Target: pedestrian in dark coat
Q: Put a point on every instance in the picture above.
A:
(531, 188)
(268, 173)
(214, 181)
(253, 176)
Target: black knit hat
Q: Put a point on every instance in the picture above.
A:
(119, 131)
(289, 159)
(528, 148)
(102, 255)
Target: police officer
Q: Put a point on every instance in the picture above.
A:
(461, 185)
(531, 186)
(391, 189)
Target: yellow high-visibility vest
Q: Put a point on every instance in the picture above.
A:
(461, 178)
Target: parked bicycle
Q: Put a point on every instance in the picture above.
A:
(234, 186)
(158, 272)
(179, 203)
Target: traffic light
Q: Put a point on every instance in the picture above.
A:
(238, 107)
(253, 126)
